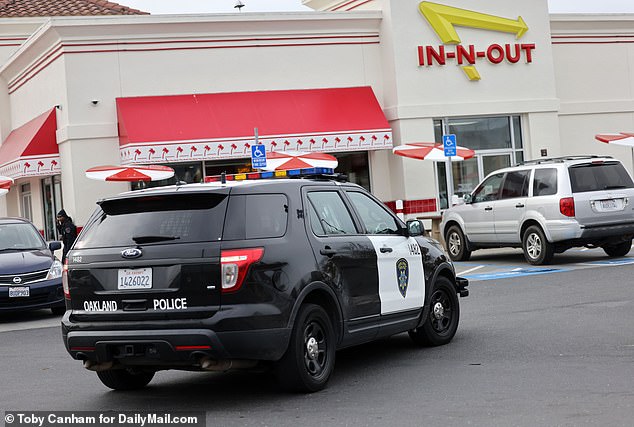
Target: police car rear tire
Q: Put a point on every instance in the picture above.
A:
(310, 358)
(125, 379)
(444, 314)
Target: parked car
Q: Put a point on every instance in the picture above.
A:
(30, 275)
(546, 206)
(226, 275)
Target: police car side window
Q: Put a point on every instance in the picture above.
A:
(331, 213)
(375, 218)
(267, 215)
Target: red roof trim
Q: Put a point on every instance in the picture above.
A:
(31, 149)
(221, 125)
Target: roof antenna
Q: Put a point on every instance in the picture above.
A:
(239, 5)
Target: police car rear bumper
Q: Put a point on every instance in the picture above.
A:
(174, 347)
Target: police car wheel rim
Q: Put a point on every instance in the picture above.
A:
(442, 311)
(533, 245)
(315, 356)
(454, 243)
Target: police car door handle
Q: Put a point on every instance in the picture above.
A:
(385, 250)
(488, 208)
(327, 251)
(519, 205)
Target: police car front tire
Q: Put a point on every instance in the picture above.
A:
(310, 359)
(441, 323)
(125, 379)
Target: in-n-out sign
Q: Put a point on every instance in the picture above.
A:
(443, 19)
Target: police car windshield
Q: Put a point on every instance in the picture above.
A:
(160, 219)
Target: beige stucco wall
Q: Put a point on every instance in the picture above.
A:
(594, 69)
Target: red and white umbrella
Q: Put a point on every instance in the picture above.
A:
(285, 160)
(5, 182)
(130, 173)
(623, 138)
(431, 151)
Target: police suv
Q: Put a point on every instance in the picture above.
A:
(234, 273)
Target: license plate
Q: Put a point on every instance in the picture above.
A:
(138, 278)
(19, 291)
(609, 205)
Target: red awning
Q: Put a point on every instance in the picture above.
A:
(221, 125)
(31, 149)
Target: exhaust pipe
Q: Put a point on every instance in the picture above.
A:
(96, 366)
(209, 364)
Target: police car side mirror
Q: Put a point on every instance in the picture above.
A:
(467, 198)
(55, 246)
(415, 228)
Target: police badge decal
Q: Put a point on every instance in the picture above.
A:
(402, 274)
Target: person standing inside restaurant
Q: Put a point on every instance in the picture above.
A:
(67, 231)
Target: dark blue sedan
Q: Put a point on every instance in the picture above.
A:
(30, 275)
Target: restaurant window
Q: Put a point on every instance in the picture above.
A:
(26, 202)
(189, 173)
(497, 142)
(52, 202)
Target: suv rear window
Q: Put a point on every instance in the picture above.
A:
(545, 182)
(173, 218)
(599, 176)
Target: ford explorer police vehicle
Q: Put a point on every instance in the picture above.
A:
(230, 274)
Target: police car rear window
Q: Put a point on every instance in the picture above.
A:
(599, 176)
(164, 219)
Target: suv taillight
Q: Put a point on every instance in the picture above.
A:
(235, 264)
(567, 206)
(65, 279)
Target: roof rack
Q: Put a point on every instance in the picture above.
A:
(314, 173)
(560, 159)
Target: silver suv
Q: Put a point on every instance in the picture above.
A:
(546, 206)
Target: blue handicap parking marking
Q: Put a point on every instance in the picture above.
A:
(515, 272)
(622, 261)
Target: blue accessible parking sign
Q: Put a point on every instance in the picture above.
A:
(258, 156)
(449, 144)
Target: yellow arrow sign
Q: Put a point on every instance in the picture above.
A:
(443, 19)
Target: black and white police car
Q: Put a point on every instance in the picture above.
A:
(231, 274)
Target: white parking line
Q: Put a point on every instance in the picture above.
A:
(470, 270)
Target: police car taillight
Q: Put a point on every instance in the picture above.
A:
(235, 264)
(65, 280)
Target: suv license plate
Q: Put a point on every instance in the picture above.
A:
(138, 278)
(19, 292)
(609, 205)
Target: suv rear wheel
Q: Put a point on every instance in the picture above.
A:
(310, 358)
(125, 379)
(618, 250)
(537, 250)
(457, 244)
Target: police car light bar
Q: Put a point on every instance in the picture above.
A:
(291, 173)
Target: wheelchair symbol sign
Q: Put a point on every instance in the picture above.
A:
(449, 144)
(258, 156)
